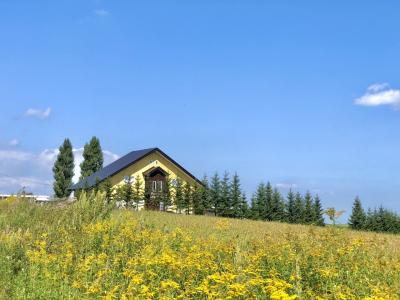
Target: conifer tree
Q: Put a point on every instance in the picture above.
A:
(225, 205)
(128, 190)
(204, 191)
(215, 193)
(244, 206)
(106, 187)
(187, 197)
(63, 170)
(318, 212)
(358, 216)
(260, 202)
(309, 212)
(138, 193)
(236, 198)
(198, 204)
(269, 205)
(291, 208)
(254, 208)
(179, 200)
(278, 212)
(167, 197)
(92, 158)
(299, 209)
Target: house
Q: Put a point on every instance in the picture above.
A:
(151, 166)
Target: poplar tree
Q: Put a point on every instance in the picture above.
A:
(92, 158)
(309, 213)
(215, 193)
(358, 216)
(318, 212)
(63, 170)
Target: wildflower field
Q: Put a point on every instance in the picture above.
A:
(88, 250)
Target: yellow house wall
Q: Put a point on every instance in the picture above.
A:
(154, 159)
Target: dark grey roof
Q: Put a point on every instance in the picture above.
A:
(118, 165)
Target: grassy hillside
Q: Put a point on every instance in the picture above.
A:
(88, 250)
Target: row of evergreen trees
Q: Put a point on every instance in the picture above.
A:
(63, 169)
(224, 197)
(380, 220)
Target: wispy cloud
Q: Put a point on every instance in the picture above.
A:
(286, 185)
(20, 168)
(380, 94)
(38, 113)
(101, 12)
(13, 142)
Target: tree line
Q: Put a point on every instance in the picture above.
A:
(378, 219)
(219, 196)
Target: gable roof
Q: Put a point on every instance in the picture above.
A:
(120, 164)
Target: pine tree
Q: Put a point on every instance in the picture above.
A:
(204, 191)
(236, 198)
(309, 212)
(243, 208)
(63, 170)
(260, 202)
(215, 193)
(225, 205)
(291, 208)
(278, 212)
(268, 207)
(138, 193)
(167, 197)
(358, 216)
(318, 212)
(299, 209)
(198, 205)
(128, 190)
(254, 208)
(92, 158)
(106, 187)
(187, 197)
(179, 200)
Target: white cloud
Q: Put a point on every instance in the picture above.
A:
(380, 94)
(41, 114)
(34, 171)
(13, 142)
(285, 185)
(101, 12)
(15, 155)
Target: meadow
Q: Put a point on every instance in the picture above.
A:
(89, 250)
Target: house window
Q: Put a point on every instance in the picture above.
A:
(154, 186)
(159, 186)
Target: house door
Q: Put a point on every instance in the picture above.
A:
(155, 181)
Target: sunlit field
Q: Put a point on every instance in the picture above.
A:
(89, 250)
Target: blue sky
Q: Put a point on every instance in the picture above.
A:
(302, 94)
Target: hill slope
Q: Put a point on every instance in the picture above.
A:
(88, 250)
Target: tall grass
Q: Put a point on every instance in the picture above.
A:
(88, 250)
